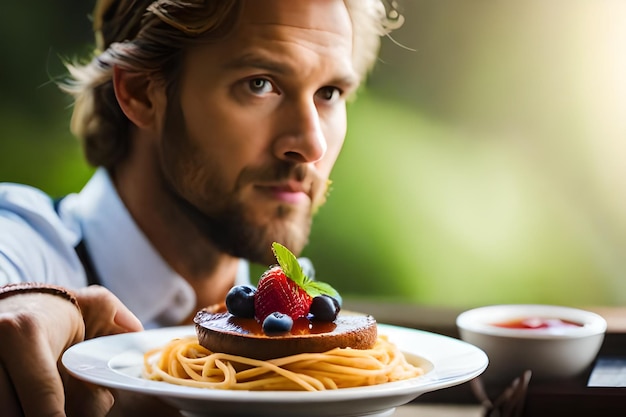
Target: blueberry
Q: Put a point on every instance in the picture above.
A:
(324, 308)
(277, 324)
(240, 301)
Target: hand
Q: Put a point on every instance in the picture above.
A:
(104, 313)
(35, 330)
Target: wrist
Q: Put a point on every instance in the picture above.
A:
(37, 287)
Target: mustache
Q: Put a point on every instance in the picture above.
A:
(313, 184)
(280, 172)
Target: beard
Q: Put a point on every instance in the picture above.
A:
(228, 225)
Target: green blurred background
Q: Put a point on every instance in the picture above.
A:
(484, 161)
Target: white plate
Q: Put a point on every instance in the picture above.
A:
(116, 362)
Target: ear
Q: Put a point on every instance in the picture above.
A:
(141, 98)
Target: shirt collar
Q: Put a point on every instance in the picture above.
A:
(125, 260)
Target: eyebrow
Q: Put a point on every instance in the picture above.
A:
(256, 60)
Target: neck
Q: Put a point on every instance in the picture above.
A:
(192, 255)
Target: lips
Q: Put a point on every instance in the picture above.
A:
(290, 193)
(285, 183)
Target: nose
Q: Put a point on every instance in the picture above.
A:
(301, 138)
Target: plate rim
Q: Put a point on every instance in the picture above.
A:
(99, 371)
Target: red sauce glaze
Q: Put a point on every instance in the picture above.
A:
(302, 326)
(537, 323)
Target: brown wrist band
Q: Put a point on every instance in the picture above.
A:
(36, 287)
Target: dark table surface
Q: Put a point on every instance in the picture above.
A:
(571, 398)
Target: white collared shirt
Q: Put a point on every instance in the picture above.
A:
(37, 244)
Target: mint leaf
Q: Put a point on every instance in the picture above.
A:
(293, 270)
(315, 288)
(289, 264)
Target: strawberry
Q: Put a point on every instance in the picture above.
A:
(286, 289)
(277, 293)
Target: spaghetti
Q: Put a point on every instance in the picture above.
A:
(185, 362)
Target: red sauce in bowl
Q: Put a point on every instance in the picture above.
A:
(537, 323)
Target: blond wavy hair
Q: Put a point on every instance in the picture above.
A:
(150, 35)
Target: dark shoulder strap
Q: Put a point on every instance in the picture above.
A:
(83, 254)
(85, 259)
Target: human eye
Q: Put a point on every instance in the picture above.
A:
(329, 94)
(260, 86)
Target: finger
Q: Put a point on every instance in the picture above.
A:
(8, 396)
(35, 329)
(125, 319)
(84, 399)
(37, 381)
(104, 313)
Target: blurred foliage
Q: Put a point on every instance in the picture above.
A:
(421, 213)
(36, 147)
(483, 164)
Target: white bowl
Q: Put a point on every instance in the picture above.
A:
(550, 353)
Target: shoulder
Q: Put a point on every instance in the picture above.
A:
(31, 207)
(35, 244)
(14, 196)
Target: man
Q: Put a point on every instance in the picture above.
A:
(215, 126)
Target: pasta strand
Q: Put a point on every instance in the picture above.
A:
(185, 362)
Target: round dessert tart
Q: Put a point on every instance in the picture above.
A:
(286, 314)
(220, 331)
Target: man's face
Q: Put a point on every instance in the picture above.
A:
(248, 149)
